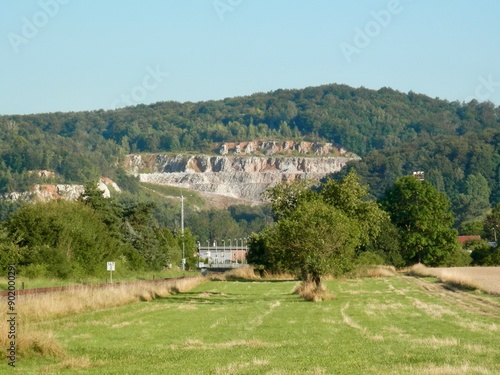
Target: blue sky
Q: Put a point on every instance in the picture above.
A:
(72, 55)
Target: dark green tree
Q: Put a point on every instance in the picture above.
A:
(317, 239)
(141, 231)
(286, 196)
(68, 237)
(492, 224)
(351, 197)
(424, 219)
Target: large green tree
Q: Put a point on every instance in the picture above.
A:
(318, 229)
(424, 219)
(351, 197)
(317, 239)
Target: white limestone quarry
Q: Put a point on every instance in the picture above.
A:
(237, 176)
(46, 192)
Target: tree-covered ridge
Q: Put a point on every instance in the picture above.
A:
(456, 144)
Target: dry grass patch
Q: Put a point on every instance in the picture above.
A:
(377, 308)
(187, 306)
(455, 278)
(376, 271)
(31, 343)
(121, 325)
(38, 307)
(72, 363)
(486, 279)
(475, 326)
(249, 273)
(347, 319)
(312, 292)
(191, 344)
(419, 270)
(241, 273)
(279, 276)
(241, 367)
(433, 310)
(435, 342)
(464, 369)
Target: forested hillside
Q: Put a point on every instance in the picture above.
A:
(456, 144)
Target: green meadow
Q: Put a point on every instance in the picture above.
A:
(393, 325)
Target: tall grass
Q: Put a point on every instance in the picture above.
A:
(249, 273)
(38, 307)
(118, 276)
(35, 308)
(375, 271)
(450, 277)
(241, 273)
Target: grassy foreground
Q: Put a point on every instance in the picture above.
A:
(392, 325)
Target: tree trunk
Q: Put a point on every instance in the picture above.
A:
(317, 280)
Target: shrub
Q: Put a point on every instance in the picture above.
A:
(312, 292)
(33, 271)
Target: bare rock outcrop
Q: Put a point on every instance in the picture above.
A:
(244, 177)
(269, 148)
(70, 192)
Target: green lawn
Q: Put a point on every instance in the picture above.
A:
(392, 325)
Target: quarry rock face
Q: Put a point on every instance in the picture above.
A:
(244, 177)
(284, 147)
(46, 192)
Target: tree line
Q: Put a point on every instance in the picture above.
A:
(330, 228)
(141, 232)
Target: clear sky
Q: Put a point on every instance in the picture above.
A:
(72, 55)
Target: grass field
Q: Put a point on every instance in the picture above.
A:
(41, 282)
(392, 325)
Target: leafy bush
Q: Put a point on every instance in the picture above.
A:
(33, 271)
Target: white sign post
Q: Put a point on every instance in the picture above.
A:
(111, 268)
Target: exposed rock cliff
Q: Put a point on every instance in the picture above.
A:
(285, 148)
(243, 177)
(45, 192)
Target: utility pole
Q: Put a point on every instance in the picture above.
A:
(182, 234)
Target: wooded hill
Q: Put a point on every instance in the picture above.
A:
(456, 144)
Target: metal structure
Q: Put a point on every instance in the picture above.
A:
(232, 254)
(419, 175)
